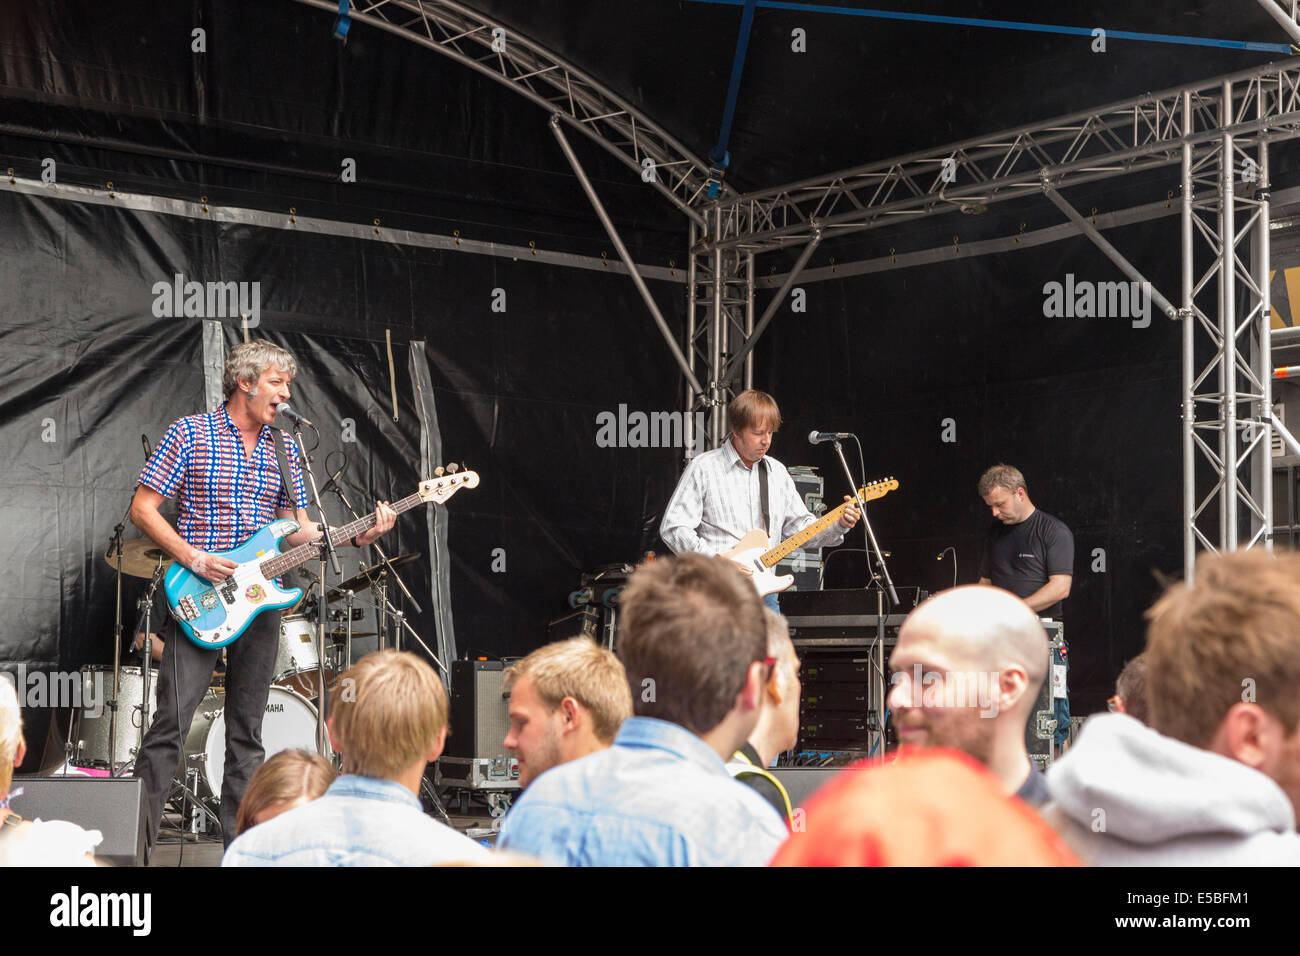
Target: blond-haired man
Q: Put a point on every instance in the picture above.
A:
(722, 495)
(1215, 779)
(567, 700)
(388, 720)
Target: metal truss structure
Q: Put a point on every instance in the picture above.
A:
(493, 49)
(1217, 131)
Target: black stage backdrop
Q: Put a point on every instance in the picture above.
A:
(949, 368)
(265, 117)
(88, 368)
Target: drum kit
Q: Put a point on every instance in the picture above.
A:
(96, 747)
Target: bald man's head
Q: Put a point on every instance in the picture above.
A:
(968, 666)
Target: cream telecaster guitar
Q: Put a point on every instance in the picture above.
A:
(752, 552)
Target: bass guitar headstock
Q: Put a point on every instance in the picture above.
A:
(447, 482)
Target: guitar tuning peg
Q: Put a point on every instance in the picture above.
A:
(452, 468)
(438, 471)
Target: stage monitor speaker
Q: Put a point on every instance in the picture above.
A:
(479, 709)
(476, 756)
(115, 806)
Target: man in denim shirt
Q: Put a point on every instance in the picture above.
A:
(693, 642)
(388, 719)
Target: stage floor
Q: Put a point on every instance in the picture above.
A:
(203, 851)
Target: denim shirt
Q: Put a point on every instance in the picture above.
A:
(660, 796)
(359, 821)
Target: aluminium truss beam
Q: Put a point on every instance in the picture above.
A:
(1111, 253)
(623, 254)
(498, 52)
(1286, 20)
(1115, 140)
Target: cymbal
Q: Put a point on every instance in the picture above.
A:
(366, 576)
(354, 633)
(140, 557)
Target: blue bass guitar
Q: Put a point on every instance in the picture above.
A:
(214, 615)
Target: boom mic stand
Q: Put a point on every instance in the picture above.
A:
(385, 606)
(879, 577)
(115, 550)
(327, 548)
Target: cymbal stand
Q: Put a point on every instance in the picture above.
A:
(402, 625)
(115, 545)
(348, 597)
(327, 550)
(379, 587)
(144, 608)
(383, 555)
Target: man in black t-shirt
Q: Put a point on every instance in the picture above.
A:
(1028, 552)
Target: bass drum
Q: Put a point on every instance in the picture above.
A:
(290, 723)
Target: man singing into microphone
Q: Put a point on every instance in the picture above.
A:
(223, 470)
(721, 494)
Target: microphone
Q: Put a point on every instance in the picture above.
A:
(285, 409)
(334, 477)
(144, 439)
(816, 438)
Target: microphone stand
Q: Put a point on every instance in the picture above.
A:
(327, 548)
(385, 607)
(874, 577)
(383, 557)
(115, 545)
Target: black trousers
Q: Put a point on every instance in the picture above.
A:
(183, 678)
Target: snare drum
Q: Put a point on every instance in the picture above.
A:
(290, 722)
(296, 659)
(90, 730)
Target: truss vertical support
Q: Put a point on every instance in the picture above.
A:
(1228, 328)
(1262, 345)
(746, 350)
(692, 399)
(717, 335)
(1189, 319)
(749, 317)
(1233, 385)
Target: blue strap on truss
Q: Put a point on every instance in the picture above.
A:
(344, 22)
(718, 156)
(1008, 25)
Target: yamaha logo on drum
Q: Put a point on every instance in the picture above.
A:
(274, 708)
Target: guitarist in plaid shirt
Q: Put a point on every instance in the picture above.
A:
(223, 471)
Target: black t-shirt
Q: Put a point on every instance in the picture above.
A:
(1021, 557)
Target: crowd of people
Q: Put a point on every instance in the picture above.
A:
(660, 756)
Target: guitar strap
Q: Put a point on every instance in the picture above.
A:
(762, 495)
(278, 440)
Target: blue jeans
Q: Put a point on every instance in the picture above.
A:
(1061, 705)
(771, 601)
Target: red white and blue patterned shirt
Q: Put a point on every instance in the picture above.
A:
(222, 497)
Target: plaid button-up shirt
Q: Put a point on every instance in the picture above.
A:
(222, 497)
